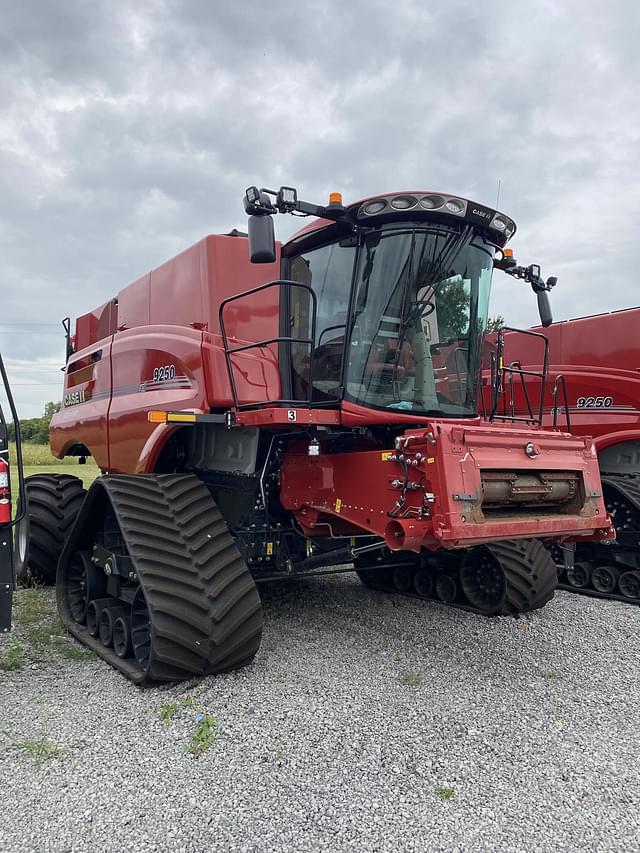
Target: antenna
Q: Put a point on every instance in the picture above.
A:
(498, 194)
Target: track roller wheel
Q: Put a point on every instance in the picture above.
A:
(629, 585)
(403, 578)
(122, 636)
(94, 610)
(375, 578)
(580, 576)
(423, 583)
(52, 504)
(605, 578)
(482, 580)
(108, 616)
(529, 577)
(184, 602)
(446, 588)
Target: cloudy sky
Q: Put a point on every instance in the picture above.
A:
(128, 130)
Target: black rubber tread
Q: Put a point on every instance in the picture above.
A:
(53, 502)
(531, 576)
(206, 614)
(629, 488)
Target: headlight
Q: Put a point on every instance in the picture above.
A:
(431, 202)
(373, 207)
(456, 206)
(404, 202)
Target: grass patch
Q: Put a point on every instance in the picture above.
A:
(410, 679)
(205, 734)
(13, 658)
(30, 606)
(445, 794)
(168, 711)
(552, 674)
(71, 651)
(41, 750)
(42, 637)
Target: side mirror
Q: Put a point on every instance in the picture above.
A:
(544, 308)
(262, 240)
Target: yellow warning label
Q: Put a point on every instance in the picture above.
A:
(387, 455)
(269, 549)
(338, 504)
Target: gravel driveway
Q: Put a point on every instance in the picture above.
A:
(367, 722)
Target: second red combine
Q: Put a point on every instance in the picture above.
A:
(295, 409)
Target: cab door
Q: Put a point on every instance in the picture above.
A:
(329, 271)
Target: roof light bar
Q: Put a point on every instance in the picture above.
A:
(442, 204)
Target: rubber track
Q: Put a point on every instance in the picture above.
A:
(53, 502)
(531, 575)
(629, 488)
(531, 578)
(205, 609)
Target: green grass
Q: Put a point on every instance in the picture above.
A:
(30, 606)
(71, 651)
(205, 734)
(410, 679)
(37, 459)
(13, 657)
(445, 793)
(41, 750)
(43, 637)
(168, 711)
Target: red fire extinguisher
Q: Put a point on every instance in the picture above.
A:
(5, 493)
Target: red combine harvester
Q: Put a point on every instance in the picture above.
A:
(252, 431)
(598, 359)
(7, 562)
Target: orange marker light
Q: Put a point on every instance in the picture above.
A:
(157, 417)
(508, 253)
(335, 198)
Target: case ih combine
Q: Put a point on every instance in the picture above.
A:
(599, 359)
(289, 416)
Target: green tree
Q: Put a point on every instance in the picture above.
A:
(494, 324)
(452, 301)
(36, 430)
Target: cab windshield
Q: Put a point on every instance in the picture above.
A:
(413, 326)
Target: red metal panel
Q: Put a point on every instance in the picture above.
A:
(443, 471)
(85, 404)
(175, 291)
(133, 304)
(227, 271)
(137, 389)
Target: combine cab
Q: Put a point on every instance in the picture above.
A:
(265, 411)
(7, 562)
(597, 359)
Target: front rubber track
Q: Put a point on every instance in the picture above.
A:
(530, 575)
(52, 504)
(204, 607)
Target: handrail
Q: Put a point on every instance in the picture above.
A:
(501, 372)
(560, 380)
(310, 341)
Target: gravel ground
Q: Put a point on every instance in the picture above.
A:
(367, 722)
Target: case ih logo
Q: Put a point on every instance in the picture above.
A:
(74, 397)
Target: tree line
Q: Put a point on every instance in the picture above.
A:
(36, 430)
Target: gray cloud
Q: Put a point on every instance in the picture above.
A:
(127, 131)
